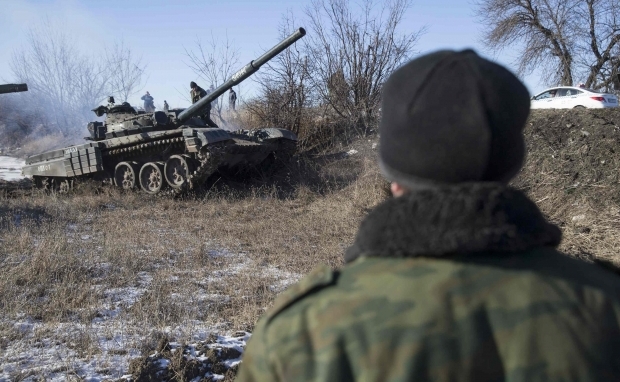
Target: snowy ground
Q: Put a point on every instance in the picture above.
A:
(57, 352)
(48, 352)
(11, 168)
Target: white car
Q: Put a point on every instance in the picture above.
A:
(568, 97)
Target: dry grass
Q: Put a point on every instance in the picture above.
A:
(318, 129)
(217, 260)
(214, 260)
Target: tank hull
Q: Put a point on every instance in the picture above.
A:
(187, 156)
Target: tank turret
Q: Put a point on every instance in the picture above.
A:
(174, 149)
(123, 120)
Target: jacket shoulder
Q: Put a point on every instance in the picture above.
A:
(320, 278)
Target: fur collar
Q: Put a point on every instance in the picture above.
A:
(460, 219)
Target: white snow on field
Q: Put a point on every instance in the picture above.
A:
(35, 358)
(51, 351)
(41, 353)
(11, 168)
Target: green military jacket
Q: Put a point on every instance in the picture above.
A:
(458, 285)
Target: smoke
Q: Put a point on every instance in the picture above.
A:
(228, 120)
(65, 83)
(29, 125)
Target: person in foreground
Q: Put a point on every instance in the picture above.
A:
(457, 277)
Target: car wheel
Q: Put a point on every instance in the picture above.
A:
(579, 107)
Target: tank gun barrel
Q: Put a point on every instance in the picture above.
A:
(13, 88)
(241, 75)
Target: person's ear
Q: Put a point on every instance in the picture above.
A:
(397, 189)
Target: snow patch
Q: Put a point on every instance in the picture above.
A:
(11, 168)
(52, 351)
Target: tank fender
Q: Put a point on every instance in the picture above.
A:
(55, 167)
(274, 133)
(195, 138)
(75, 160)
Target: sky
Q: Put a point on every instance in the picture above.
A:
(160, 31)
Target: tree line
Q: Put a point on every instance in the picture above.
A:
(331, 80)
(570, 41)
(333, 77)
(65, 83)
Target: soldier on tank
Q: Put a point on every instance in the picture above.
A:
(149, 107)
(457, 277)
(232, 99)
(196, 93)
(166, 107)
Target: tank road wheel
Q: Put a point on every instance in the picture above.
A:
(44, 183)
(152, 177)
(126, 175)
(177, 171)
(39, 182)
(64, 186)
(47, 184)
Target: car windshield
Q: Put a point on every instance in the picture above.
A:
(548, 94)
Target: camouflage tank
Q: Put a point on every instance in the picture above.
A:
(157, 150)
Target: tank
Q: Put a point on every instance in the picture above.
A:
(13, 88)
(154, 151)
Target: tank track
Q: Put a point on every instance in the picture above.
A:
(287, 150)
(202, 163)
(208, 158)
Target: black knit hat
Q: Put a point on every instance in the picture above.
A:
(452, 117)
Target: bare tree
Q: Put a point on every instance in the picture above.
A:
(285, 92)
(353, 48)
(125, 71)
(599, 54)
(215, 62)
(567, 39)
(59, 77)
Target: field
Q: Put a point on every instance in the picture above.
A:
(105, 285)
(97, 278)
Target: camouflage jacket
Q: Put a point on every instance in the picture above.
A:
(197, 93)
(458, 284)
